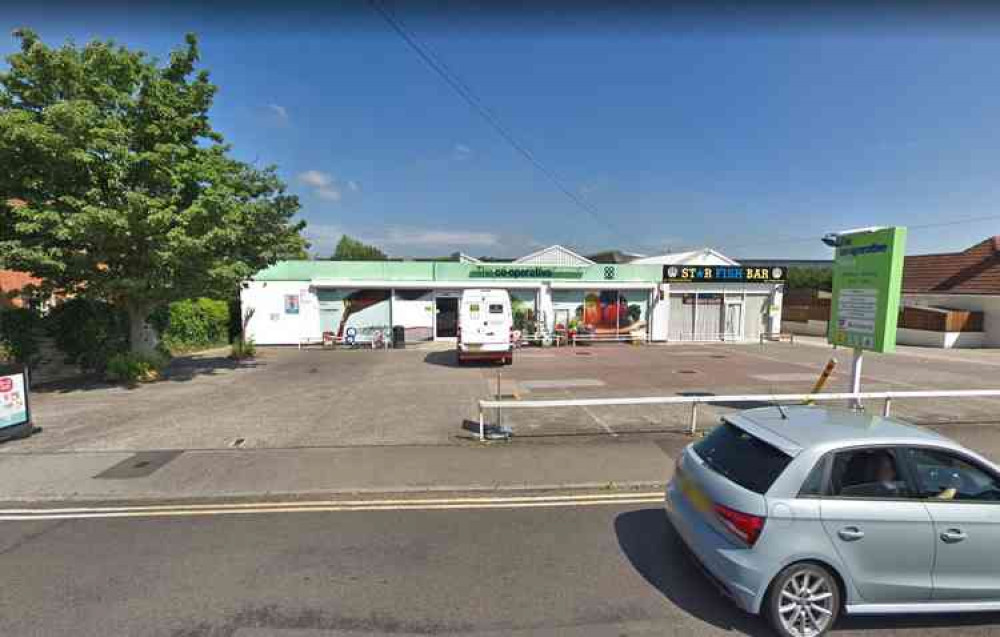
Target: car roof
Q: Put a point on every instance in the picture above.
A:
(808, 426)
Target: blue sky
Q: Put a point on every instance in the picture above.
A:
(680, 135)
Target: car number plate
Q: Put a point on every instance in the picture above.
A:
(698, 499)
(475, 347)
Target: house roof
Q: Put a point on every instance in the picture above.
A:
(614, 256)
(14, 281)
(705, 256)
(555, 255)
(975, 270)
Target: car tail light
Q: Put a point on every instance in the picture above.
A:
(743, 525)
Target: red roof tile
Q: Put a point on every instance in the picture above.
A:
(973, 271)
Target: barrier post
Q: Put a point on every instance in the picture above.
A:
(887, 408)
(694, 418)
(823, 377)
(482, 429)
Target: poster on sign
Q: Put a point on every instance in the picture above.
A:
(14, 410)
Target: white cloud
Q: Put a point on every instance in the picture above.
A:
(353, 186)
(323, 238)
(461, 152)
(445, 238)
(279, 111)
(323, 184)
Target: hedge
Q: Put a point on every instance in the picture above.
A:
(193, 323)
(19, 332)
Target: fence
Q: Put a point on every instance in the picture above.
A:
(694, 401)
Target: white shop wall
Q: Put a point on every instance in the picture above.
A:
(414, 310)
(272, 322)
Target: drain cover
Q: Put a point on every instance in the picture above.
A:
(239, 442)
(139, 465)
(718, 356)
(583, 353)
(687, 371)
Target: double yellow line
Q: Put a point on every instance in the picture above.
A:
(328, 506)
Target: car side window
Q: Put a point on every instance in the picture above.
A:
(942, 475)
(869, 474)
(814, 484)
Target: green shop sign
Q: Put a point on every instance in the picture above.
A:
(867, 280)
(524, 272)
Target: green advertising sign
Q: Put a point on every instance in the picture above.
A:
(867, 280)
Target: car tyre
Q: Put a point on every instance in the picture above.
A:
(804, 601)
(509, 360)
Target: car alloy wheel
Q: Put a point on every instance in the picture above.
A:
(805, 601)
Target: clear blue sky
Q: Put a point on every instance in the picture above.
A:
(680, 134)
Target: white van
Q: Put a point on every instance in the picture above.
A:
(485, 323)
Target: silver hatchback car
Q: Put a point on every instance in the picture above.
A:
(800, 513)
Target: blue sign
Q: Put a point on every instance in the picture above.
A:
(723, 274)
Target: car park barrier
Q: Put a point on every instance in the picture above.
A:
(694, 401)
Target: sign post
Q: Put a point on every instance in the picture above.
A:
(867, 283)
(15, 410)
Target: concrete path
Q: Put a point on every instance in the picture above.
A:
(280, 473)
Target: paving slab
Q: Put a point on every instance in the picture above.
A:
(97, 476)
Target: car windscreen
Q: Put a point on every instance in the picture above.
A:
(746, 460)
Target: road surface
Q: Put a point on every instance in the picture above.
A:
(611, 569)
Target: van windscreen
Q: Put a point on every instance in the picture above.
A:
(745, 459)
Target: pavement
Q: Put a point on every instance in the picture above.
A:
(588, 571)
(46, 478)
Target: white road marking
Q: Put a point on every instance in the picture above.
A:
(432, 504)
(600, 421)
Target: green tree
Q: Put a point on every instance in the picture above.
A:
(349, 249)
(810, 279)
(115, 186)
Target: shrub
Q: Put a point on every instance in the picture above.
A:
(193, 323)
(88, 332)
(130, 368)
(19, 330)
(243, 349)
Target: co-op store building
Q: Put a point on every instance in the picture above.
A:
(694, 296)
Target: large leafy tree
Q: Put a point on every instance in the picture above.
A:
(114, 185)
(349, 249)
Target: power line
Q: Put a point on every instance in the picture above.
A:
(467, 94)
(921, 226)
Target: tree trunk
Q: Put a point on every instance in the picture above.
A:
(142, 338)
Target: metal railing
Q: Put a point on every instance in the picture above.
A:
(694, 401)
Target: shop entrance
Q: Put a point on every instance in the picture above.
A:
(446, 313)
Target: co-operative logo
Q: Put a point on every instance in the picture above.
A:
(609, 272)
(6, 385)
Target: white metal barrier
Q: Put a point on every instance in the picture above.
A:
(694, 401)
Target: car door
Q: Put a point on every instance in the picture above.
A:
(881, 532)
(963, 499)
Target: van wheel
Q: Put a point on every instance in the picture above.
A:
(461, 361)
(804, 601)
(509, 360)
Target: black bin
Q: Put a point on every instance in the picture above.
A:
(398, 337)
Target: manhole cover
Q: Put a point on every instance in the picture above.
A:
(718, 356)
(687, 371)
(138, 465)
(583, 353)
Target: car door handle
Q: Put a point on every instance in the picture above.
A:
(850, 533)
(953, 535)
